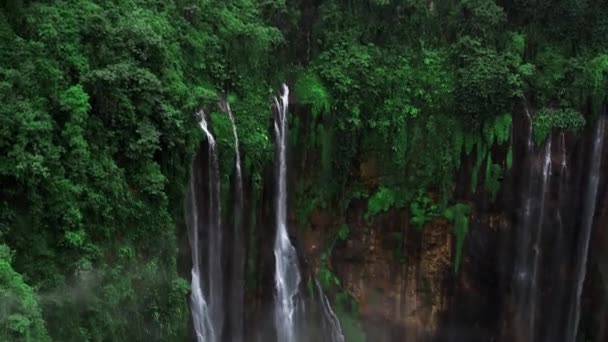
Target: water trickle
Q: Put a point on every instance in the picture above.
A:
(585, 230)
(225, 106)
(287, 273)
(530, 127)
(329, 320)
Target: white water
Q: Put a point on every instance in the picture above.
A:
(239, 178)
(198, 304)
(331, 323)
(287, 274)
(215, 274)
(585, 232)
(237, 283)
(206, 307)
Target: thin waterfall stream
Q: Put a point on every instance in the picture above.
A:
(236, 248)
(329, 320)
(585, 232)
(537, 244)
(198, 305)
(205, 240)
(287, 272)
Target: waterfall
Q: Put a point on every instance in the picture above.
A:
(287, 274)
(329, 320)
(198, 305)
(237, 266)
(207, 292)
(585, 231)
(537, 244)
(530, 237)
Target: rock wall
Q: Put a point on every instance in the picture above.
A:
(404, 280)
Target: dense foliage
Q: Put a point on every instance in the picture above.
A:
(97, 132)
(97, 135)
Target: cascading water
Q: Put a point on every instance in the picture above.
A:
(585, 230)
(237, 281)
(330, 322)
(207, 292)
(287, 273)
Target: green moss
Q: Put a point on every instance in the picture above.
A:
(493, 175)
(381, 201)
(422, 210)
(457, 214)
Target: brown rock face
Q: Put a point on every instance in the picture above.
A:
(396, 273)
(368, 173)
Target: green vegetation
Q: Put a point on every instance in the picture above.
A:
(325, 275)
(379, 202)
(546, 120)
(346, 309)
(458, 215)
(97, 131)
(310, 91)
(97, 135)
(20, 316)
(422, 210)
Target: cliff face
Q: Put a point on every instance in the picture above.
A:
(403, 278)
(397, 274)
